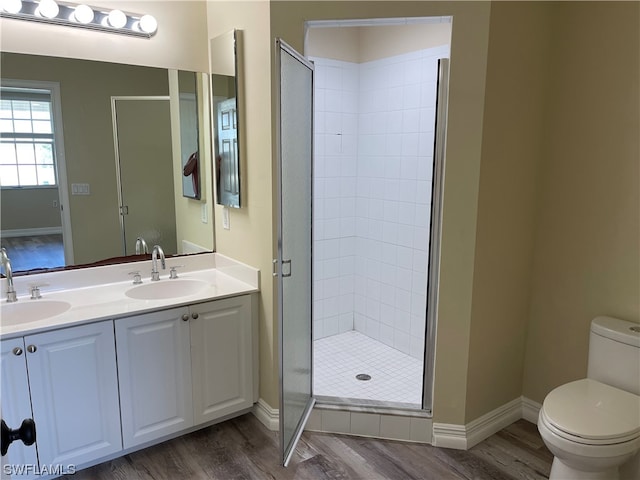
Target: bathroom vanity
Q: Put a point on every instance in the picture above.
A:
(106, 367)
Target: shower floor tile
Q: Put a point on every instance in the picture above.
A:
(395, 376)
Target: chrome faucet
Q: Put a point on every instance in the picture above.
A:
(141, 246)
(157, 250)
(6, 263)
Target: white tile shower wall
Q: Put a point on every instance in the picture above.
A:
(334, 242)
(373, 167)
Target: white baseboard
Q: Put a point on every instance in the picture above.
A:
(269, 417)
(449, 435)
(463, 437)
(31, 232)
(530, 410)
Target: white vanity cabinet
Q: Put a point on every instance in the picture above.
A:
(74, 393)
(221, 357)
(154, 366)
(73, 386)
(113, 386)
(16, 403)
(184, 367)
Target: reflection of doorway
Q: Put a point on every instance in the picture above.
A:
(227, 163)
(144, 167)
(374, 168)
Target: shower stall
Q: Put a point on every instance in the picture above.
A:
(373, 168)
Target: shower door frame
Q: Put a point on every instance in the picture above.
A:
(435, 232)
(289, 269)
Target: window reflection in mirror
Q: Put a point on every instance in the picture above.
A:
(85, 199)
(224, 87)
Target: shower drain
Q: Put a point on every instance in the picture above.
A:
(363, 376)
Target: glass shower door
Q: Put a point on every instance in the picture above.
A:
(293, 264)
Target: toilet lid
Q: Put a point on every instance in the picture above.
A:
(592, 410)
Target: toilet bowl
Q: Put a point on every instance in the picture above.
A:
(591, 429)
(592, 425)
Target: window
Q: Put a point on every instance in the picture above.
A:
(27, 147)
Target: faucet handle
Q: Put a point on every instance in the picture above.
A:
(172, 271)
(137, 278)
(35, 290)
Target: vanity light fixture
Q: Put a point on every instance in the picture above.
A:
(116, 19)
(80, 15)
(11, 6)
(48, 9)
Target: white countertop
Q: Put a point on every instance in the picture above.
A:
(99, 293)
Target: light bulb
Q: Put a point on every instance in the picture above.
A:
(148, 24)
(12, 6)
(117, 18)
(83, 14)
(48, 8)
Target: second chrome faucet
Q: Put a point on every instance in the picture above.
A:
(157, 250)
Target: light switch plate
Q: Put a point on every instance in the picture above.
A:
(225, 218)
(80, 189)
(204, 217)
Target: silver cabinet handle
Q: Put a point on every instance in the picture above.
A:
(32, 348)
(17, 351)
(185, 317)
(194, 316)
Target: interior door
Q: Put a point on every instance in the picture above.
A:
(293, 265)
(144, 162)
(229, 181)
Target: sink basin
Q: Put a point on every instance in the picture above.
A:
(165, 289)
(26, 311)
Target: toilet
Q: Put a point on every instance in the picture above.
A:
(592, 426)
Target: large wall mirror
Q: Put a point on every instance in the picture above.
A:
(224, 99)
(95, 155)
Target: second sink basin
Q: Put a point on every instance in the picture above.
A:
(164, 289)
(26, 311)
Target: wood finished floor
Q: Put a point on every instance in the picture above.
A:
(242, 448)
(39, 251)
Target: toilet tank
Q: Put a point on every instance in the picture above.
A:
(614, 353)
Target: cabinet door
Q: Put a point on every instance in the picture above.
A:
(16, 406)
(74, 393)
(221, 357)
(154, 367)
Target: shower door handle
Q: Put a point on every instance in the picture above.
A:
(286, 272)
(283, 272)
